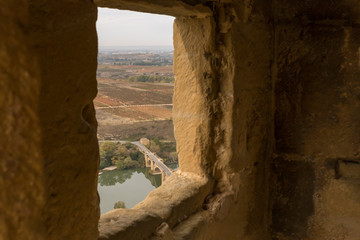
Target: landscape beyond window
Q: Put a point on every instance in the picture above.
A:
(133, 106)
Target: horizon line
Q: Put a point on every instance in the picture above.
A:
(137, 46)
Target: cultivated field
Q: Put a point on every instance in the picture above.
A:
(121, 72)
(134, 94)
(131, 110)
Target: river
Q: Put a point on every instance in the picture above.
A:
(130, 186)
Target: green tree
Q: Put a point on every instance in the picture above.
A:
(107, 152)
(128, 145)
(120, 164)
(128, 163)
(141, 160)
(154, 147)
(119, 204)
(135, 154)
(121, 152)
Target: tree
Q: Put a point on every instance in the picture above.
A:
(119, 204)
(154, 147)
(107, 151)
(120, 165)
(173, 157)
(134, 155)
(128, 145)
(121, 152)
(128, 163)
(141, 160)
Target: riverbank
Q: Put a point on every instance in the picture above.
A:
(111, 168)
(173, 166)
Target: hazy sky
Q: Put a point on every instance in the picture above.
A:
(127, 28)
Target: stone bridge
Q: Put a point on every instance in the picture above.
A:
(151, 160)
(154, 162)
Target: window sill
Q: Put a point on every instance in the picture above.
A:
(180, 196)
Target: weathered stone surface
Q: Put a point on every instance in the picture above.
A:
(194, 93)
(245, 126)
(348, 169)
(21, 164)
(316, 11)
(257, 83)
(293, 205)
(176, 8)
(317, 120)
(194, 227)
(163, 232)
(128, 224)
(177, 198)
(65, 42)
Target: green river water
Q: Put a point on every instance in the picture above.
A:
(130, 186)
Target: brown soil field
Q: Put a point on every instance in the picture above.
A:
(133, 122)
(134, 131)
(141, 113)
(162, 70)
(114, 93)
(123, 72)
(156, 112)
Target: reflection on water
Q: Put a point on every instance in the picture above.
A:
(120, 176)
(130, 186)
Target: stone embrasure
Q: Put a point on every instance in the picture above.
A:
(180, 196)
(266, 111)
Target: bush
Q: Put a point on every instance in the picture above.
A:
(120, 165)
(123, 156)
(107, 152)
(119, 204)
(104, 164)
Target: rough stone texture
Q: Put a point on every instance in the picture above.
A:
(266, 115)
(223, 119)
(21, 164)
(176, 8)
(190, 229)
(128, 224)
(194, 92)
(179, 197)
(317, 120)
(66, 43)
(244, 126)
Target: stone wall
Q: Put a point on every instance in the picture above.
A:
(49, 154)
(266, 115)
(21, 165)
(65, 42)
(242, 137)
(317, 120)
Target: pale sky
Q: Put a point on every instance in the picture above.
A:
(128, 28)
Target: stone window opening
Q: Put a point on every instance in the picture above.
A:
(266, 120)
(183, 193)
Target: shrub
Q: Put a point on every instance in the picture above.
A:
(119, 204)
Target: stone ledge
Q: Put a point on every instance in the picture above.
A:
(192, 226)
(181, 195)
(127, 224)
(176, 8)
